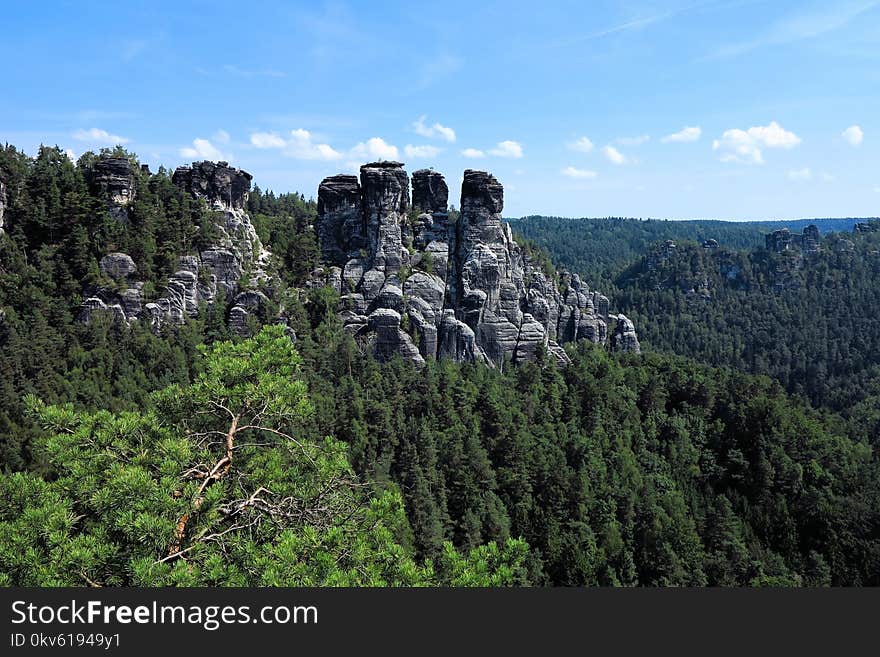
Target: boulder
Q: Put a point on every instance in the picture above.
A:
(117, 266)
(427, 287)
(388, 340)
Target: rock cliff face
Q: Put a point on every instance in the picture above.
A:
(414, 280)
(796, 247)
(115, 180)
(784, 240)
(237, 255)
(420, 283)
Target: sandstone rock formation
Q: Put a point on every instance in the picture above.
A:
(416, 283)
(238, 255)
(624, 337)
(798, 249)
(124, 299)
(783, 240)
(413, 280)
(115, 180)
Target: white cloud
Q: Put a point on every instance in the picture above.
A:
(421, 151)
(800, 175)
(70, 155)
(437, 130)
(473, 153)
(580, 174)
(633, 141)
(507, 148)
(267, 140)
(204, 149)
(98, 136)
(374, 148)
(614, 156)
(853, 135)
(299, 145)
(582, 145)
(746, 146)
(827, 177)
(687, 134)
(221, 137)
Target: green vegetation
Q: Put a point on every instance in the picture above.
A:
(598, 249)
(648, 470)
(805, 319)
(213, 486)
(188, 457)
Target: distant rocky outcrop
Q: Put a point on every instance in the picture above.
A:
(783, 240)
(235, 264)
(418, 283)
(797, 247)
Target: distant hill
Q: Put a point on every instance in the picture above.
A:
(599, 247)
(802, 312)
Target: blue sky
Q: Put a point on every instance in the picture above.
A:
(730, 109)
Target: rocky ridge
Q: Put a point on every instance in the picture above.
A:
(414, 279)
(236, 264)
(417, 281)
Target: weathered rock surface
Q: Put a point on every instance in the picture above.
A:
(217, 183)
(783, 240)
(117, 265)
(415, 284)
(115, 180)
(624, 337)
(246, 305)
(429, 191)
(234, 265)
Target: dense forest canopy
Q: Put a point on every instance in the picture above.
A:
(806, 317)
(653, 469)
(600, 248)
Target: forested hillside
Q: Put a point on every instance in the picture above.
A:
(598, 249)
(722, 294)
(286, 455)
